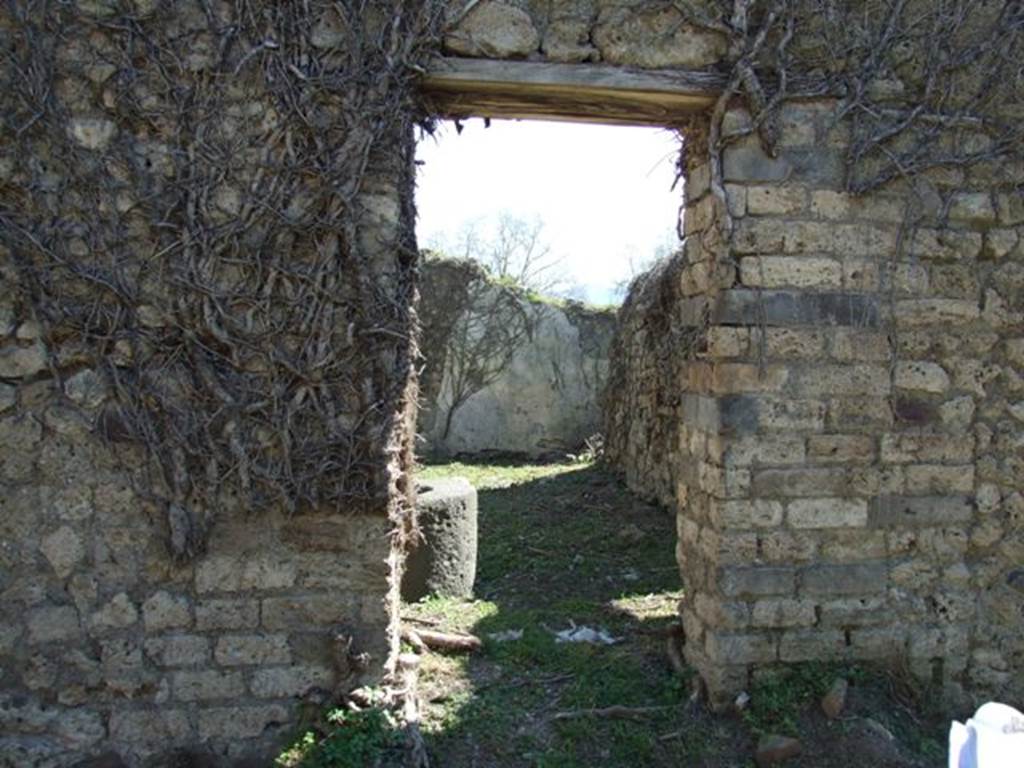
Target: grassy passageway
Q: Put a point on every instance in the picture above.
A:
(566, 544)
(560, 545)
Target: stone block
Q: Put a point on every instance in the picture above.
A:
(227, 614)
(748, 163)
(655, 37)
(64, 550)
(811, 645)
(1011, 208)
(207, 684)
(775, 200)
(740, 649)
(921, 376)
(494, 30)
(877, 642)
(53, 623)
(812, 481)
(827, 513)
(854, 612)
(784, 612)
(786, 413)
(18, 362)
(841, 449)
(849, 579)
(866, 413)
(787, 308)
(118, 613)
(163, 610)
(924, 479)
(756, 581)
(764, 451)
(746, 513)
(227, 723)
(825, 379)
(791, 343)
(905, 448)
(288, 682)
(790, 272)
(144, 731)
(853, 545)
(974, 208)
(240, 573)
(850, 344)
(941, 312)
(788, 547)
(841, 206)
(286, 613)
(239, 650)
(729, 378)
(945, 244)
(179, 650)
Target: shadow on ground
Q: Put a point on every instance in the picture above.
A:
(567, 545)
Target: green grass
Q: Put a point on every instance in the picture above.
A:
(563, 544)
(353, 739)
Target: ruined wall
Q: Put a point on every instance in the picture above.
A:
(543, 384)
(110, 646)
(865, 497)
(148, 200)
(847, 473)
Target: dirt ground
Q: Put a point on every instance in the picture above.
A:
(567, 545)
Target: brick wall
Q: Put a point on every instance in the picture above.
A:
(859, 497)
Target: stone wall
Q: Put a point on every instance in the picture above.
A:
(107, 645)
(858, 492)
(542, 399)
(843, 441)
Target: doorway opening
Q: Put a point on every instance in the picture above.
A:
(532, 233)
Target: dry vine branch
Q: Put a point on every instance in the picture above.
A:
(257, 351)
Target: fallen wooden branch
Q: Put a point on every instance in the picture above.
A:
(440, 641)
(617, 712)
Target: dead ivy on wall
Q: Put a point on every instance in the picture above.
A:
(924, 85)
(197, 200)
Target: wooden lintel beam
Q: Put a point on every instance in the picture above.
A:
(459, 88)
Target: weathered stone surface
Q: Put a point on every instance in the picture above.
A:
(227, 614)
(897, 511)
(283, 613)
(852, 579)
(291, 681)
(496, 30)
(921, 375)
(53, 623)
(93, 133)
(179, 650)
(444, 560)
(238, 650)
(777, 307)
(827, 513)
(756, 581)
(164, 610)
(749, 163)
(241, 722)
(639, 39)
(64, 550)
(119, 613)
(20, 362)
(206, 685)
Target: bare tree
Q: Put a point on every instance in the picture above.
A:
(488, 333)
(514, 251)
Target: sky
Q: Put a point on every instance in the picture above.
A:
(603, 192)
